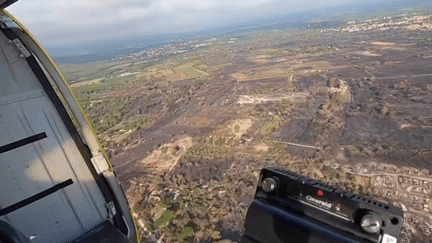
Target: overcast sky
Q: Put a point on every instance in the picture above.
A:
(58, 22)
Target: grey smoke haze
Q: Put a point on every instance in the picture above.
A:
(59, 22)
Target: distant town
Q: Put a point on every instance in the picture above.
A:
(169, 49)
(388, 23)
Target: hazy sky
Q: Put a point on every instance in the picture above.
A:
(56, 22)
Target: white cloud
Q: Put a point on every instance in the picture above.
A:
(172, 5)
(133, 13)
(256, 3)
(66, 21)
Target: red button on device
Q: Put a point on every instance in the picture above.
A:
(320, 192)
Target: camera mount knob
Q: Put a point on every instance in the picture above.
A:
(370, 223)
(269, 184)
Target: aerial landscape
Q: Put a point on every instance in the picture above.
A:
(189, 125)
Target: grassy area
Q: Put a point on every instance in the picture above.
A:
(88, 71)
(216, 148)
(212, 68)
(182, 59)
(172, 98)
(84, 92)
(191, 209)
(173, 72)
(270, 125)
(190, 71)
(116, 115)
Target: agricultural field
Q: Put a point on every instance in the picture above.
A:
(189, 133)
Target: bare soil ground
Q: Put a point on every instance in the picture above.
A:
(353, 110)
